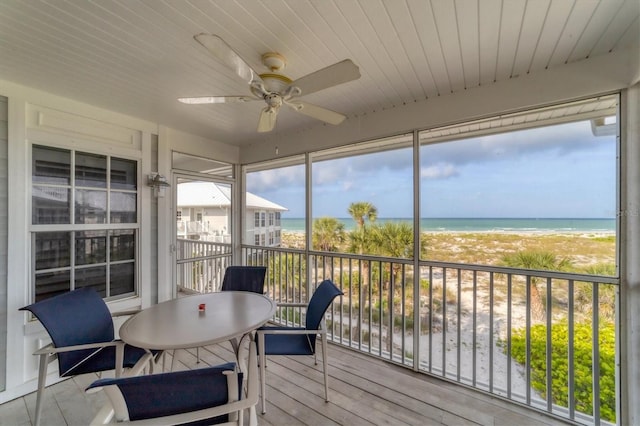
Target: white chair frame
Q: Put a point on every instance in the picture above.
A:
(322, 332)
(235, 408)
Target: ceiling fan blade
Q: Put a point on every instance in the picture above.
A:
(221, 50)
(267, 120)
(318, 112)
(330, 76)
(217, 99)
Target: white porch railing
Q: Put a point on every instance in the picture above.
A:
(201, 265)
(543, 339)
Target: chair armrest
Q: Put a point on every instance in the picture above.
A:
(194, 416)
(125, 313)
(117, 401)
(50, 349)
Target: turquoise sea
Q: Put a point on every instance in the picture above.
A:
(483, 224)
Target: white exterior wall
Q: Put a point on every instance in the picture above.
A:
(218, 218)
(215, 220)
(3, 242)
(250, 228)
(36, 116)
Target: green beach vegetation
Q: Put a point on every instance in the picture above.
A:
(584, 253)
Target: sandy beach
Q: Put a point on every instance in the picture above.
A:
(487, 248)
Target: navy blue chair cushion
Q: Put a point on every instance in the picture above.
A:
(165, 394)
(288, 344)
(75, 318)
(244, 278)
(81, 317)
(302, 344)
(319, 303)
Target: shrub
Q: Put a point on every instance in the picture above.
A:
(583, 392)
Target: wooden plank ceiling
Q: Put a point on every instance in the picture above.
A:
(138, 56)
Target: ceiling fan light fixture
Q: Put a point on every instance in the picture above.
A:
(274, 61)
(275, 82)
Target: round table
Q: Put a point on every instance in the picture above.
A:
(178, 323)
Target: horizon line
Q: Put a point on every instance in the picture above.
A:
(475, 218)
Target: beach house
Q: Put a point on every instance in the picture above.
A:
(108, 108)
(203, 212)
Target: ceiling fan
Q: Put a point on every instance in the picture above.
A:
(276, 89)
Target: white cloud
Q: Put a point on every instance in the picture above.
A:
(275, 178)
(439, 171)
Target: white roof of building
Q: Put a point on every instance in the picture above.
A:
(203, 194)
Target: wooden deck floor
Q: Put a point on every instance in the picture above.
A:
(363, 391)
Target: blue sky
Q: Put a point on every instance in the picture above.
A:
(555, 171)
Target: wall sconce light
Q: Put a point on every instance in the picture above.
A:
(158, 183)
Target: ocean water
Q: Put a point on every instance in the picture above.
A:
(482, 224)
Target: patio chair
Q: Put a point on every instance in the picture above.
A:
(82, 334)
(212, 394)
(281, 340)
(241, 278)
(244, 278)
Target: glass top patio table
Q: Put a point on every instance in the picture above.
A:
(179, 324)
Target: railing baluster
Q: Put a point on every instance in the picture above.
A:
(390, 327)
(350, 299)
(370, 307)
(360, 303)
(509, 313)
(380, 317)
(528, 340)
(430, 319)
(458, 326)
(444, 322)
(474, 337)
(404, 315)
(549, 348)
(595, 360)
(571, 355)
(491, 308)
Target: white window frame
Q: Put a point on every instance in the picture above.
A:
(72, 228)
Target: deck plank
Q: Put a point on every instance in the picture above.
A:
(363, 391)
(15, 413)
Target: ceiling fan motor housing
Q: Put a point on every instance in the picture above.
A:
(274, 100)
(274, 61)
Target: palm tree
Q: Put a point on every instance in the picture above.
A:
(362, 210)
(327, 234)
(540, 260)
(359, 240)
(394, 240)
